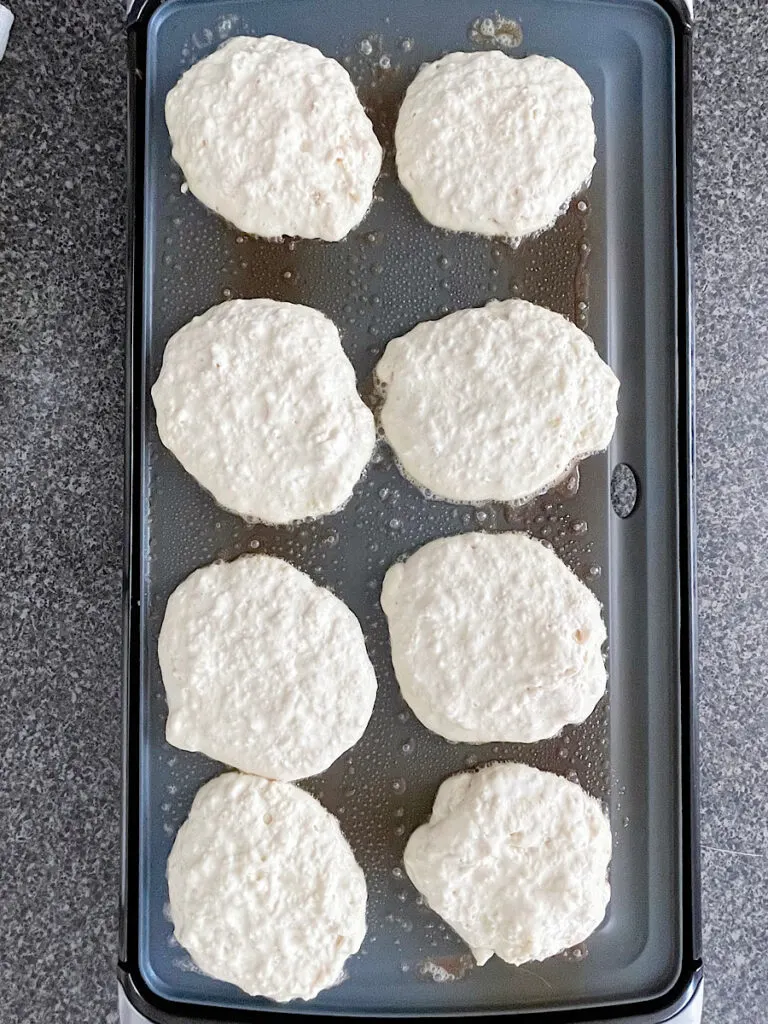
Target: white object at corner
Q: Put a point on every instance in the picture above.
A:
(6, 20)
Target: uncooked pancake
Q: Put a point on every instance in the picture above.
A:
(515, 860)
(271, 135)
(494, 144)
(493, 638)
(265, 892)
(263, 669)
(258, 402)
(495, 404)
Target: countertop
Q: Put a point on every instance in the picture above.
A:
(62, 172)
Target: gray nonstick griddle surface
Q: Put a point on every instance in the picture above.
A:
(609, 265)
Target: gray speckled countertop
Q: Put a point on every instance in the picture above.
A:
(61, 348)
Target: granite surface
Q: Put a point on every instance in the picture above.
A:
(61, 339)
